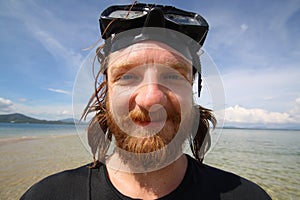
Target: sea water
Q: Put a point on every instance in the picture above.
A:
(12, 130)
(269, 158)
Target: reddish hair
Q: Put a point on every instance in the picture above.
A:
(99, 139)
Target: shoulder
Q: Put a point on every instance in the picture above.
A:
(223, 184)
(68, 184)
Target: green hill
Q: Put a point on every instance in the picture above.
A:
(20, 118)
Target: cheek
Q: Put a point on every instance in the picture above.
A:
(183, 98)
(119, 101)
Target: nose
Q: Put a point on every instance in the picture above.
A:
(150, 95)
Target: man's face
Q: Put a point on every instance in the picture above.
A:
(149, 97)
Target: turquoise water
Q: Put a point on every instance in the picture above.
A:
(269, 158)
(23, 130)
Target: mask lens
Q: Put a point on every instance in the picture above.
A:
(179, 19)
(125, 14)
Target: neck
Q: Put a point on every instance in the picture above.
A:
(149, 185)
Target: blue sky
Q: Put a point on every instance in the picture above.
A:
(255, 45)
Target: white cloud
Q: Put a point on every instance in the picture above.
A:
(278, 21)
(254, 40)
(244, 27)
(295, 111)
(273, 89)
(59, 91)
(65, 112)
(56, 49)
(48, 29)
(48, 112)
(239, 114)
(22, 99)
(6, 106)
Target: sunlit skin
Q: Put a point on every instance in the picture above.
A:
(149, 77)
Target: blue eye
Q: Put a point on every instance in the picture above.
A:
(127, 77)
(173, 77)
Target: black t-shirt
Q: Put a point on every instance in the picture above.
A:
(200, 182)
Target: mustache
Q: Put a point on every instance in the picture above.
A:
(143, 115)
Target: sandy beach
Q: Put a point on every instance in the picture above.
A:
(27, 160)
(270, 160)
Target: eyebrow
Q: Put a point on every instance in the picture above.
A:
(182, 66)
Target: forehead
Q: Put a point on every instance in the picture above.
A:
(148, 52)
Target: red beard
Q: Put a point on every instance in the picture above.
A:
(145, 142)
(152, 150)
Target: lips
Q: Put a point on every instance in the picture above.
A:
(142, 123)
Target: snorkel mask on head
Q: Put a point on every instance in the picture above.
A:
(170, 25)
(116, 19)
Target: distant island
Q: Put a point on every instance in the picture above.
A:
(20, 118)
(23, 119)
